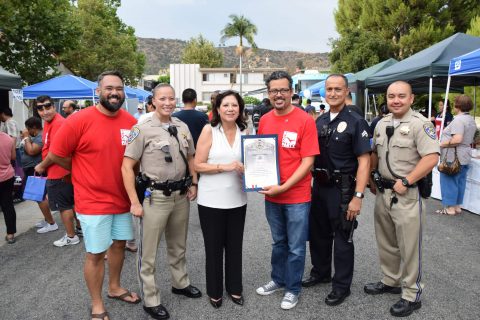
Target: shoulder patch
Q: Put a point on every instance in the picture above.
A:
(133, 134)
(430, 131)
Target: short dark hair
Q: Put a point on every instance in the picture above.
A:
(189, 95)
(277, 75)
(73, 105)
(309, 101)
(149, 99)
(295, 96)
(338, 75)
(241, 122)
(7, 111)
(42, 99)
(322, 106)
(110, 73)
(33, 123)
(463, 103)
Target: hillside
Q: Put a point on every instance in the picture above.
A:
(160, 53)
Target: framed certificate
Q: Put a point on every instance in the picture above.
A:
(260, 161)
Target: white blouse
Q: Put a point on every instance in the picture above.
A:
(222, 190)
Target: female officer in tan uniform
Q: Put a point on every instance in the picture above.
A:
(164, 148)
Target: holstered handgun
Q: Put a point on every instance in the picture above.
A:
(141, 184)
(346, 184)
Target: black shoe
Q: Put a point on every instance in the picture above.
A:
(238, 301)
(335, 297)
(404, 308)
(216, 304)
(158, 312)
(380, 287)
(190, 291)
(312, 281)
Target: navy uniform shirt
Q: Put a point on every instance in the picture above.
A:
(341, 141)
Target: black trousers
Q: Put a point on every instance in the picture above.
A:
(6, 203)
(325, 233)
(223, 231)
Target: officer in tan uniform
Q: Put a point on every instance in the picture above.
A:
(163, 146)
(405, 151)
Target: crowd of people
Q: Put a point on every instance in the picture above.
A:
(123, 181)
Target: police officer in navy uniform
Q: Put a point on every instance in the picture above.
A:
(341, 172)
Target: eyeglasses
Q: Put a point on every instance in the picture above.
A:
(46, 106)
(283, 91)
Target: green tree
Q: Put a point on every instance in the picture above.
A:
(164, 78)
(106, 43)
(242, 28)
(33, 35)
(200, 50)
(345, 51)
(474, 30)
(251, 100)
(401, 27)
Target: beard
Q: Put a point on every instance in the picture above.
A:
(112, 107)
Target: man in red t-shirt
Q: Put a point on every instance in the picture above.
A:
(59, 185)
(287, 205)
(92, 144)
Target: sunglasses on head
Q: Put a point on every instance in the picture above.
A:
(45, 106)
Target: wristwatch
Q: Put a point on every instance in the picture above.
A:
(359, 195)
(405, 182)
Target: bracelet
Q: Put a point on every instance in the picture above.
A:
(218, 169)
(194, 184)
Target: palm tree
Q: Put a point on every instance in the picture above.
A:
(243, 28)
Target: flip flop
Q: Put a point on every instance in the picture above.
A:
(444, 212)
(99, 315)
(123, 296)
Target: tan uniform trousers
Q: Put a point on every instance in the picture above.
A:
(169, 214)
(399, 239)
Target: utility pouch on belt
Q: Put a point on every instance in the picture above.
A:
(425, 186)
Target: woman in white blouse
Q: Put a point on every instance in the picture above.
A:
(222, 203)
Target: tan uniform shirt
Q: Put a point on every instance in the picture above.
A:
(150, 143)
(412, 139)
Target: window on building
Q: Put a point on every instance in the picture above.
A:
(233, 78)
(204, 76)
(225, 75)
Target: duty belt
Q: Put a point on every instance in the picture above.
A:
(169, 185)
(388, 184)
(326, 177)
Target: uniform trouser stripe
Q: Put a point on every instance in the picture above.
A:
(419, 277)
(139, 255)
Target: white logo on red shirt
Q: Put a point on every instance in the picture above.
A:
(289, 139)
(124, 134)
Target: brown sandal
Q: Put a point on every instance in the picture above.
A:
(123, 296)
(100, 315)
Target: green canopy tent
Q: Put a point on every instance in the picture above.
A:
(9, 80)
(357, 82)
(427, 70)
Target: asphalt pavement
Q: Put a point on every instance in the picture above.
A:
(41, 281)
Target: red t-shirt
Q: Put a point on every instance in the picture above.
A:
(96, 143)
(49, 133)
(297, 139)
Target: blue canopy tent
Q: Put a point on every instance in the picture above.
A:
(318, 89)
(66, 87)
(467, 68)
(142, 95)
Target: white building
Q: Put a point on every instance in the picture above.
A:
(206, 80)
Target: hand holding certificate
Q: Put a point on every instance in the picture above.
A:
(260, 160)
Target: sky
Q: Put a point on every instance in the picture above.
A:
(298, 25)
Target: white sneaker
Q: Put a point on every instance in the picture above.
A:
(67, 241)
(49, 227)
(41, 224)
(269, 288)
(289, 301)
